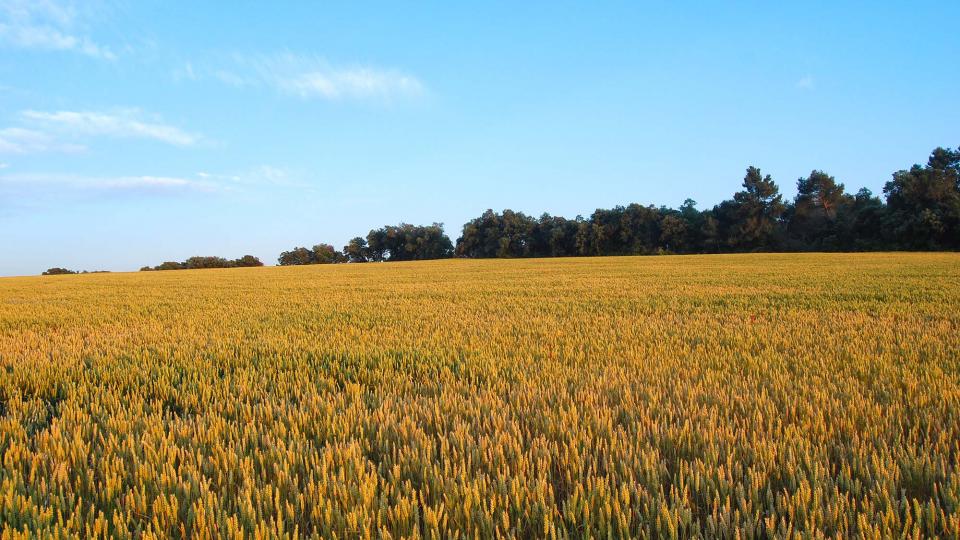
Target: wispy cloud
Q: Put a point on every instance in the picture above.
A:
(806, 82)
(124, 123)
(159, 182)
(207, 182)
(214, 177)
(270, 175)
(261, 176)
(17, 140)
(106, 183)
(232, 79)
(310, 77)
(185, 73)
(46, 25)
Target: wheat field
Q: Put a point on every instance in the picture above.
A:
(733, 396)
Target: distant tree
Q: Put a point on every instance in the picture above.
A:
(296, 256)
(429, 242)
(327, 254)
(356, 250)
(407, 242)
(709, 233)
(56, 271)
(200, 262)
(587, 233)
(378, 245)
(318, 254)
(247, 261)
(207, 262)
(820, 196)
(924, 203)
(516, 234)
(603, 237)
(507, 234)
(861, 223)
(813, 217)
(622, 230)
(170, 265)
(754, 215)
(674, 234)
(554, 236)
(696, 225)
(641, 229)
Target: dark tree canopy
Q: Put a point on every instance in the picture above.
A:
(248, 260)
(319, 254)
(403, 242)
(199, 262)
(356, 250)
(57, 271)
(921, 212)
(508, 234)
(296, 256)
(756, 212)
(327, 254)
(923, 203)
(407, 242)
(814, 221)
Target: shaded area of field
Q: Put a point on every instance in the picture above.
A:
(663, 396)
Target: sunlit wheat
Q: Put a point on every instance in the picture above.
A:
(717, 396)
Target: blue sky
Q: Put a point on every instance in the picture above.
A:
(134, 133)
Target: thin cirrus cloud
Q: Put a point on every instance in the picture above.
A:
(311, 77)
(263, 176)
(139, 183)
(16, 140)
(47, 25)
(201, 182)
(126, 123)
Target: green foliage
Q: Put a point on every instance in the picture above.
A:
(56, 271)
(200, 262)
(405, 242)
(207, 262)
(756, 210)
(816, 221)
(319, 254)
(356, 250)
(922, 212)
(248, 261)
(402, 242)
(296, 256)
(924, 203)
(508, 234)
(327, 254)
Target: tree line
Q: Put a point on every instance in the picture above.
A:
(921, 211)
(206, 262)
(403, 242)
(58, 271)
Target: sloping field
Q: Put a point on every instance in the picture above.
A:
(706, 396)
